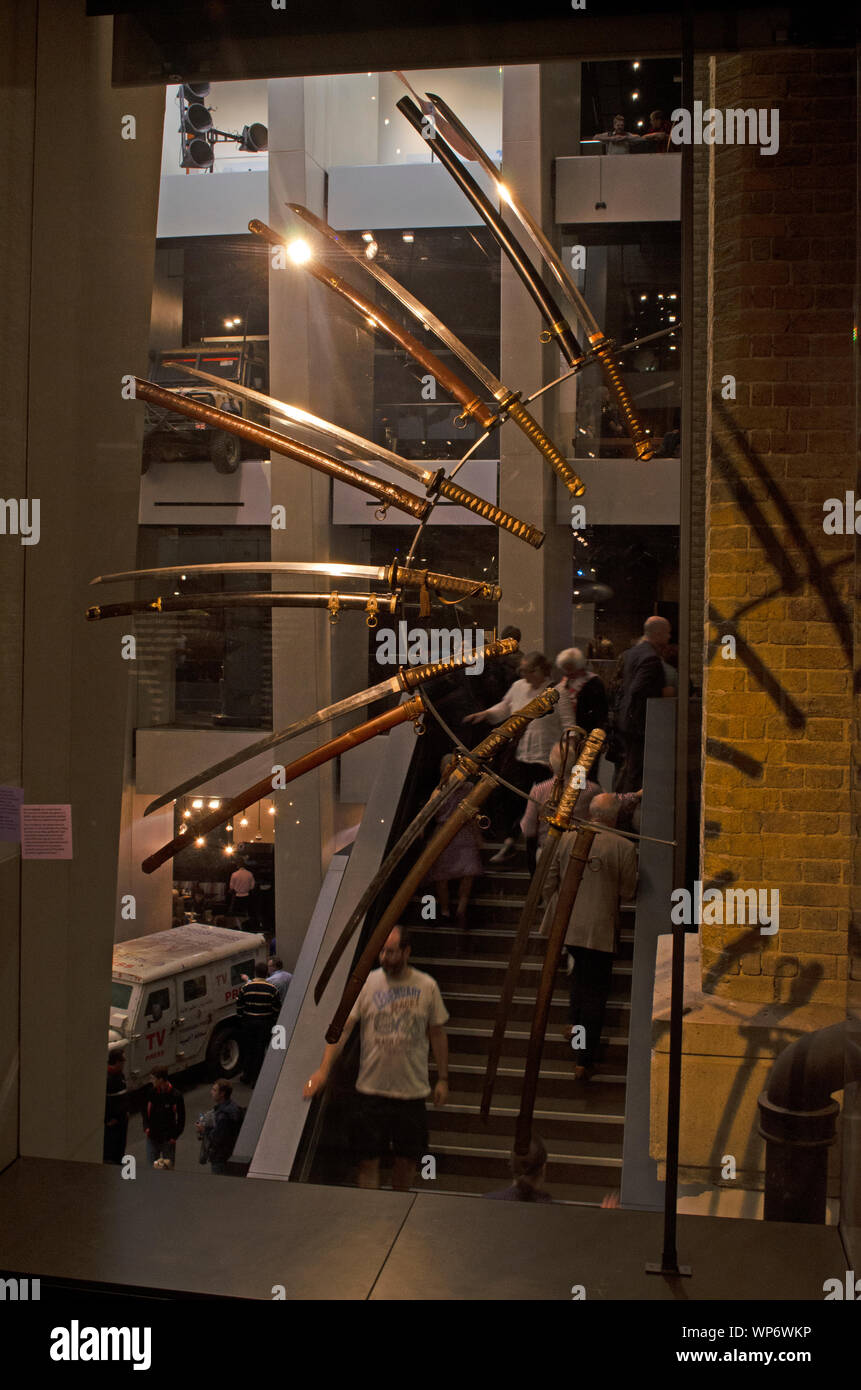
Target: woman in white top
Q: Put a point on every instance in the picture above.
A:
(532, 756)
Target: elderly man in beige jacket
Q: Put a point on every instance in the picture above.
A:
(609, 879)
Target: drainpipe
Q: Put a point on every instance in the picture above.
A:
(797, 1119)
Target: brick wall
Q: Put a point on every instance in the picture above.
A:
(778, 717)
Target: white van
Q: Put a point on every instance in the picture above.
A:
(173, 999)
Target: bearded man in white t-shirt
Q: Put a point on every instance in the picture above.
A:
(400, 1010)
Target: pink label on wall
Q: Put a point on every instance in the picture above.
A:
(10, 814)
(46, 832)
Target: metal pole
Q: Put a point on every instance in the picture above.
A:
(669, 1258)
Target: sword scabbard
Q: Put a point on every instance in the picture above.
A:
(411, 709)
(555, 941)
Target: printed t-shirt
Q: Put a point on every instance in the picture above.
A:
(395, 1014)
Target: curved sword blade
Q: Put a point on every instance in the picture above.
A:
(253, 750)
(327, 571)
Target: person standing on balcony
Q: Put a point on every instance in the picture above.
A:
(618, 140)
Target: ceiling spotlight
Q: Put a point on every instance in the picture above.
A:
(200, 842)
(409, 236)
(197, 804)
(371, 250)
(299, 251)
(367, 236)
(244, 820)
(272, 810)
(187, 815)
(635, 96)
(214, 804)
(636, 67)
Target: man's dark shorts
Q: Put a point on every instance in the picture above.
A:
(384, 1125)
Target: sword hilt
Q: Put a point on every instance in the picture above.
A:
(535, 434)
(645, 447)
(412, 676)
(514, 726)
(522, 529)
(561, 817)
(444, 583)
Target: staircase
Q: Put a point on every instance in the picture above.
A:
(581, 1123)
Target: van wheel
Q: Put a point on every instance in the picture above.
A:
(223, 1056)
(226, 453)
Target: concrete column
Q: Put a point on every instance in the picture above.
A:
(81, 278)
(320, 359)
(536, 585)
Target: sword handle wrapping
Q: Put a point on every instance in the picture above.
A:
(561, 818)
(513, 727)
(534, 433)
(445, 583)
(412, 676)
(645, 447)
(522, 529)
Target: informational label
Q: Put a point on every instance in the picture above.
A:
(46, 832)
(10, 814)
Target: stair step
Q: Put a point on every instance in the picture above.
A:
(554, 1119)
(469, 1185)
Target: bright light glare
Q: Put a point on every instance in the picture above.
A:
(299, 251)
(503, 192)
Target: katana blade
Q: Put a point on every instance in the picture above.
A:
(508, 401)
(435, 481)
(412, 709)
(371, 604)
(599, 343)
(407, 678)
(543, 298)
(387, 493)
(395, 575)
(443, 836)
(378, 319)
(558, 823)
(469, 766)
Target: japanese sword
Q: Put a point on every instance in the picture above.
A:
(406, 679)
(469, 766)
(371, 604)
(443, 836)
(600, 344)
(436, 482)
(378, 318)
(388, 493)
(564, 905)
(558, 823)
(508, 402)
(547, 306)
(395, 575)
(411, 709)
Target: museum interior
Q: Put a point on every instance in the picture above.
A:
(430, 555)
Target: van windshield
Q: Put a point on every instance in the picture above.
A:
(120, 995)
